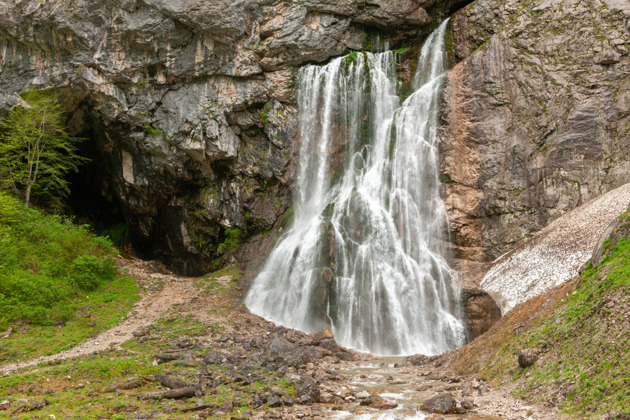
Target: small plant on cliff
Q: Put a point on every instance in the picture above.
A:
(36, 152)
(264, 112)
(233, 238)
(351, 58)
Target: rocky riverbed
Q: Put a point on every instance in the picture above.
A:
(205, 357)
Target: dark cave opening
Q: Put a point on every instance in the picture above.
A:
(92, 200)
(96, 197)
(457, 5)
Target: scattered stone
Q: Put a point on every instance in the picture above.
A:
(274, 401)
(326, 397)
(172, 383)
(4, 405)
(185, 363)
(216, 357)
(528, 357)
(30, 406)
(308, 391)
(441, 404)
(8, 332)
(288, 401)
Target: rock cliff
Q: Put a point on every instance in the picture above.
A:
(537, 118)
(188, 105)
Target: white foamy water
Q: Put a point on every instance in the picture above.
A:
(364, 255)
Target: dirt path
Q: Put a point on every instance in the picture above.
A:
(159, 293)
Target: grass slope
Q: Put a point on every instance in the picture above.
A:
(59, 283)
(584, 336)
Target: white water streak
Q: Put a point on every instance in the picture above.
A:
(364, 256)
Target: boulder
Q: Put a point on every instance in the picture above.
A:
(373, 399)
(418, 359)
(308, 391)
(441, 404)
(274, 401)
(528, 357)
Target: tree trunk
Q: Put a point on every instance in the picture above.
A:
(27, 197)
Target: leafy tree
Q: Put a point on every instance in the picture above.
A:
(36, 152)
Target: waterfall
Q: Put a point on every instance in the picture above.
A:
(364, 255)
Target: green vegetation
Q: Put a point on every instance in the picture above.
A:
(53, 272)
(233, 239)
(36, 152)
(352, 58)
(586, 364)
(153, 131)
(402, 50)
(264, 112)
(77, 388)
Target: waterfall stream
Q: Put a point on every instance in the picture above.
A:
(364, 255)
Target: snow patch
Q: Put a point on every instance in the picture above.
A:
(555, 254)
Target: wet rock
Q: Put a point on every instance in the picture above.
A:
(384, 406)
(418, 359)
(528, 357)
(308, 391)
(362, 395)
(460, 410)
(372, 399)
(441, 404)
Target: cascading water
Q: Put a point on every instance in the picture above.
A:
(363, 256)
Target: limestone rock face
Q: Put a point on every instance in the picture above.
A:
(536, 121)
(189, 105)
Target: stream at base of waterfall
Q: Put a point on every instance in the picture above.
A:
(364, 253)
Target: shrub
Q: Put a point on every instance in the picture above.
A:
(46, 263)
(88, 272)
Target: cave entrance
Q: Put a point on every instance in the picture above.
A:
(92, 200)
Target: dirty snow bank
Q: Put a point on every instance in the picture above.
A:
(555, 254)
